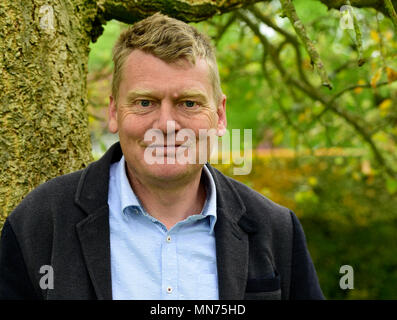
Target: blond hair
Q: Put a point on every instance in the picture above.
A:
(169, 40)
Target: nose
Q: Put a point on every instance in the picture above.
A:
(166, 119)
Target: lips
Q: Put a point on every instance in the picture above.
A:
(164, 146)
(167, 150)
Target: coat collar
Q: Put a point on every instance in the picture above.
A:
(231, 239)
(231, 233)
(93, 231)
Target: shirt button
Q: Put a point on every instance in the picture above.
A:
(168, 239)
(169, 289)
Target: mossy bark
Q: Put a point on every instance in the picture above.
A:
(378, 5)
(185, 10)
(43, 119)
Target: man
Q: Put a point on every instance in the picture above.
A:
(139, 223)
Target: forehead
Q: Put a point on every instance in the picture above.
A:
(145, 71)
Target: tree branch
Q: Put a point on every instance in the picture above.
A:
(359, 40)
(350, 88)
(290, 12)
(337, 4)
(185, 10)
(224, 28)
(392, 13)
(288, 36)
(313, 93)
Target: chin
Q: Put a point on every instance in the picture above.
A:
(172, 171)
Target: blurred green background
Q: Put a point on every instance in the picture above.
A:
(328, 155)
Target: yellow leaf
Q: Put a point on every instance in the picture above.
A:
(384, 107)
(385, 104)
(380, 137)
(391, 74)
(278, 138)
(356, 176)
(375, 36)
(366, 168)
(389, 35)
(376, 77)
(312, 181)
(358, 90)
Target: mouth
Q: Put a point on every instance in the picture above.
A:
(169, 146)
(164, 146)
(167, 150)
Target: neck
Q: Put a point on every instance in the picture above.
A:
(172, 202)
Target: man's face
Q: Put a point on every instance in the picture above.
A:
(153, 94)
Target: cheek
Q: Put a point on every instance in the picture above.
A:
(131, 128)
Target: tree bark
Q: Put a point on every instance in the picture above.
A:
(378, 5)
(185, 10)
(44, 47)
(43, 119)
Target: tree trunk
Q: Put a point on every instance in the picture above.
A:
(44, 47)
(43, 119)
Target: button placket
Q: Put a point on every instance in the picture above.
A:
(169, 268)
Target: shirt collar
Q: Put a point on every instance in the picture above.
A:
(209, 208)
(129, 199)
(127, 195)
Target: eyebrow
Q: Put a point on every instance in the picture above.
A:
(193, 94)
(133, 94)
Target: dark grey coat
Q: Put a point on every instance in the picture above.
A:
(260, 246)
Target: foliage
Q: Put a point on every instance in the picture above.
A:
(279, 85)
(347, 216)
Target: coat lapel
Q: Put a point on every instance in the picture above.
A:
(232, 258)
(231, 240)
(93, 231)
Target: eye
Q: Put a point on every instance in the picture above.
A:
(190, 104)
(144, 103)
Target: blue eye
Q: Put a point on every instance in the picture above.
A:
(190, 104)
(144, 103)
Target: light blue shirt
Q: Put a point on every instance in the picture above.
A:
(148, 261)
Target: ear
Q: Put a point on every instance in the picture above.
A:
(112, 112)
(222, 122)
